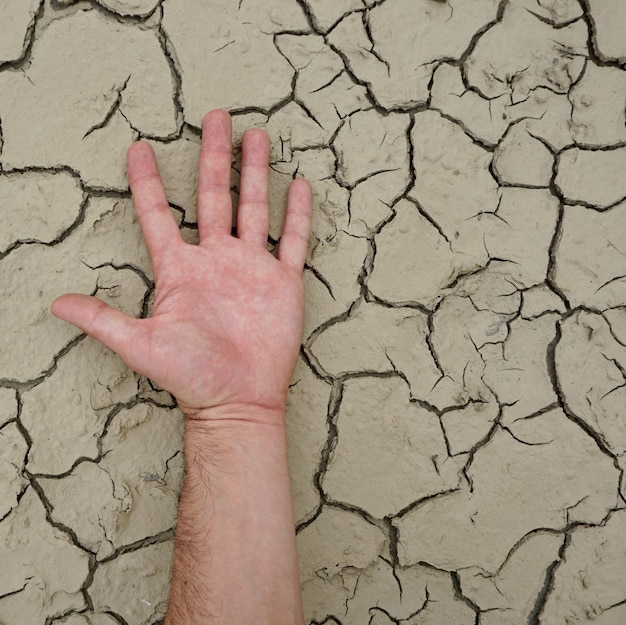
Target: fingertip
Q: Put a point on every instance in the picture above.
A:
(141, 161)
(217, 117)
(65, 306)
(55, 307)
(216, 113)
(255, 151)
(59, 305)
(300, 196)
(302, 188)
(138, 148)
(256, 134)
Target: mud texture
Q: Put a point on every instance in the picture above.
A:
(457, 418)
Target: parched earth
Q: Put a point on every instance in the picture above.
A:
(457, 420)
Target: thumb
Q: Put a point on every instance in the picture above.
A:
(111, 327)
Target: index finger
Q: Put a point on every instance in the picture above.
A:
(294, 242)
(153, 211)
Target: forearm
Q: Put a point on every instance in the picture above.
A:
(235, 555)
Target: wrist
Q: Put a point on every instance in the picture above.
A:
(225, 417)
(234, 430)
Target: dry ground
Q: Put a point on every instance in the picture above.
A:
(457, 420)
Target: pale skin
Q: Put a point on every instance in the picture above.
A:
(223, 338)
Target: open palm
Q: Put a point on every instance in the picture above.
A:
(227, 319)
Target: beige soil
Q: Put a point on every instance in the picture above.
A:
(457, 421)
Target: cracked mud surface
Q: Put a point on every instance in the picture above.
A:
(456, 421)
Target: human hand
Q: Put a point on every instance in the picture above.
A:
(226, 326)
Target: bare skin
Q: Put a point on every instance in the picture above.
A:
(223, 338)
